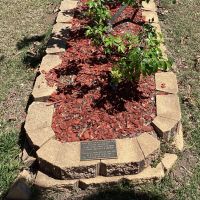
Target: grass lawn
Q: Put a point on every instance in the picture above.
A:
(21, 50)
(21, 21)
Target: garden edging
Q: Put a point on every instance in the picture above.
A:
(62, 160)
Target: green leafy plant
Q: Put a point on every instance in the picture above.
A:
(141, 55)
(99, 15)
(113, 42)
(145, 59)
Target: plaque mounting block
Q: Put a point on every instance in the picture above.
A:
(99, 149)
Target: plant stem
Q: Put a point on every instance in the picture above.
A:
(115, 16)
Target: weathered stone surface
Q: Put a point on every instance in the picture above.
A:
(39, 137)
(168, 106)
(67, 5)
(61, 30)
(150, 173)
(178, 139)
(62, 160)
(38, 123)
(19, 191)
(49, 62)
(44, 181)
(165, 127)
(56, 45)
(167, 82)
(168, 161)
(151, 6)
(150, 147)
(63, 17)
(150, 16)
(147, 174)
(130, 159)
(41, 91)
(39, 116)
(29, 161)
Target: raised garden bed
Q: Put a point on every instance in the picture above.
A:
(89, 103)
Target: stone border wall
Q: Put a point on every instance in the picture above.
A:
(135, 155)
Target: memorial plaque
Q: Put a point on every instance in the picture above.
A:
(101, 149)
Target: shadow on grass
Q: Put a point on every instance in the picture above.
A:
(122, 191)
(33, 48)
(26, 41)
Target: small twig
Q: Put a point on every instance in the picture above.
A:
(189, 172)
(53, 103)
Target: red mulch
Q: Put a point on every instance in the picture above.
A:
(87, 107)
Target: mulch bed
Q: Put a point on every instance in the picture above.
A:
(86, 105)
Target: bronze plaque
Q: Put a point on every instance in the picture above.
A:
(100, 149)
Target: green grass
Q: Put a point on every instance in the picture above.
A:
(10, 164)
(20, 52)
(181, 25)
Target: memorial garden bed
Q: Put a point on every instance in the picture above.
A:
(104, 88)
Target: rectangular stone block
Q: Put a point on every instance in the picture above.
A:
(166, 82)
(168, 106)
(39, 116)
(67, 5)
(168, 161)
(150, 16)
(150, 6)
(164, 127)
(55, 46)
(61, 30)
(38, 124)
(49, 62)
(148, 174)
(63, 17)
(130, 159)
(42, 91)
(46, 182)
(150, 147)
(62, 161)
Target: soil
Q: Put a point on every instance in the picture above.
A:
(87, 105)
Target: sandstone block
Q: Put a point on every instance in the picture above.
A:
(38, 123)
(168, 161)
(168, 106)
(49, 62)
(62, 160)
(61, 30)
(164, 127)
(178, 139)
(56, 45)
(44, 181)
(166, 82)
(130, 159)
(150, 6)
(42, 91)
(148, 174)
(150, 147)
(38, 137)
(150, 16)
(63, 17)
(39, 116)
(67, 5)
